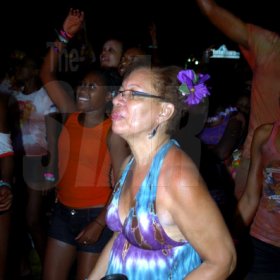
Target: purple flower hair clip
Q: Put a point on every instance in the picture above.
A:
(193, 87)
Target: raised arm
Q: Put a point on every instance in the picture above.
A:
(232, 26)
(72, 24)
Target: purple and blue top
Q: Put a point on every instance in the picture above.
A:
(142, 249)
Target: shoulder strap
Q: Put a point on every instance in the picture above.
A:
(120, 182)
(152, 177)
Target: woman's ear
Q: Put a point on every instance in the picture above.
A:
(167, 110)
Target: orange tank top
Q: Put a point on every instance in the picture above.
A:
(84, 164)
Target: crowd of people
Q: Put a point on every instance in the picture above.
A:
(136, 168)
(261, 49)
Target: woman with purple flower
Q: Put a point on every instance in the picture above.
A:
(165, 223)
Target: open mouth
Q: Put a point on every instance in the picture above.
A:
(83, 99)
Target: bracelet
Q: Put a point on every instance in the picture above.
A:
(62, 37)
(97, 222)
(5, 184)
(49, 176)
(65, 34)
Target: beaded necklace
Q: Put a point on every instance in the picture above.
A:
(221, 115)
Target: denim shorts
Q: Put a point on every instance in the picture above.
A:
(67, 223)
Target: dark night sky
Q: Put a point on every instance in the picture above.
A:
(181, 31)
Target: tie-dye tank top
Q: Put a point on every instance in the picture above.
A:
(142, 249)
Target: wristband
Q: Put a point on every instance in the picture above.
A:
(49, 176)
(65, 34)
(62, 38)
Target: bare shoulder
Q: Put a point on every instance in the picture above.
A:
(178, 160)
(181, 187)
(180, 173)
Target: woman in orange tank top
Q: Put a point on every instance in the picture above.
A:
(87, 152)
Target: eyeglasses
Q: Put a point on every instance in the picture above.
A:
(91, 86)
(130, 94)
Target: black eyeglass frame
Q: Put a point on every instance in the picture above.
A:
(138, 93)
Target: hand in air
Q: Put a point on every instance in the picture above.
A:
(73, 22)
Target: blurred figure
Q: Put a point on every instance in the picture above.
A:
(223, 132)
(111, 53)
(261, 49)
(130, 56)
(31, 149)
(6, 176)
(259, 206)
(9, 63)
